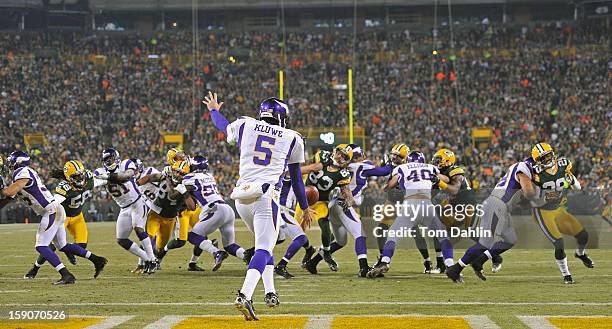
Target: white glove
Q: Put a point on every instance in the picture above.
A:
(103, 176)
(181, 189)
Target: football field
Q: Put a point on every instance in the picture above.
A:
(528, 292)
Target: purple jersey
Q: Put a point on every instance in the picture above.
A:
(508, 186)
(35, 194)
(205, 188)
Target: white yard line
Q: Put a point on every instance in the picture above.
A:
(108, 322)
(541, 322)
(166, 322)
(315, 303)
(319, 322)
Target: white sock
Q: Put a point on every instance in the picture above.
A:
(134, 249)
(250, 283)
(488, 254)
(459, 262)
(563, 266)
(438, 254)
(325, 248)
(386, 259)
(59, 267)
(207, 246)
(166, 248)
(146, 243)
(427, 259)
(141, 261)
(580, 251)
(36, 264)
(194, 259)
(449, 262)
(88, 254)
(268, 279)
(240, 253)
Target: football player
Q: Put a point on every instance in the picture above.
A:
(215, 214)
(553, 175)
(74, 189)
(332, 180)
(266, 147)
(119, 180)
(496, 218)
(415, 179)
(28, 186)
(329, 170)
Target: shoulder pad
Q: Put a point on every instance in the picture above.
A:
(62, 188)
(455, 171)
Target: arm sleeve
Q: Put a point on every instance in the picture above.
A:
(298, 184)
(297, 152)
(380, 171)
(219, 120)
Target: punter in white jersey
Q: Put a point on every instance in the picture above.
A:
(215, 214)
(266, 148)
(28, 187)
(150, 188)
(358, 181)
(415, 178)
(120, 177)
(496, 219)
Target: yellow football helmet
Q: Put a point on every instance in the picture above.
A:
(342, 155)
(399, 153)
(75, 174)
(175, 155)
(179, 170)
(444, 158)
(543, 154)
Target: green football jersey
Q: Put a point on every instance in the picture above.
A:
(75, 199)
(553, 184)
(466, 195)
(328, 178)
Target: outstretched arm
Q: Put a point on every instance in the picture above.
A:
(219, 121)
(12, 190)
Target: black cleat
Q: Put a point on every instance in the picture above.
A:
(311, 267)
(282, 271)
(567, 279)
(327, 257)
(454, 273)
(66, 279)
(307, 256)
(245, 307)
(99, 264)
(149, 267)
(193, 267)
(378, 261)
(159, 254)
(363, 272)
(215, 243)
(71, 258)
(378, 271)
(588, 262)
(248, 254)
(32, 272)
(219, 256)
(272, 300)
(478, 270)
(427, 265)
(440, 266)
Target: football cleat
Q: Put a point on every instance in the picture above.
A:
(427, 265)
(378, 270)
(66, 279)
(139, 269)
(219, 256)
(311, 267)
(378, 261)
(159, 254)
(245, 307)
(478, 270)
(327, 257)
(71, 258)
(282, 271)
(496, 267)
(150, 267)
(272, 300)
(193, 267)
(307, 256)
(248, 254)
(454, 273)
(567, 279)
(99, 264)
(440, 266)
(585, 260)
(363, 272)
(32, 272)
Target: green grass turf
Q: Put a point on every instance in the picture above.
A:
(529, 276)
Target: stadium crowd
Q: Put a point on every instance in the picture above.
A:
(553, 85)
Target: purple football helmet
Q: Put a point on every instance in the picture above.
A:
(198, 163)
(416, 156)
(276, 109)
(357, 151)
(17, 159)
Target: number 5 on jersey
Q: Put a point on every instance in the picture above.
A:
(263, 146)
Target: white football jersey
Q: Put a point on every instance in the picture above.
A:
(356, 168)
(509, 184)
(205, 188)
(150, 189)
(265, 149)
(35, 194)
(124, 194)
(415, 178)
